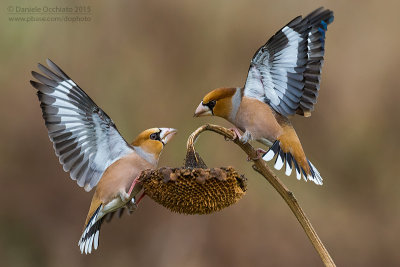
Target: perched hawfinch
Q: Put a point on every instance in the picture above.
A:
(92, 150)
(283, 80)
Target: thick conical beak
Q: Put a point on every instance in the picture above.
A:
(167, 134)
(202, 110)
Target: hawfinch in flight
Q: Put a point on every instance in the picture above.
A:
(283, 80)
(92, 150)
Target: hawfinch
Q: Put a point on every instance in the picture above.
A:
(283, 80)
(92, 150)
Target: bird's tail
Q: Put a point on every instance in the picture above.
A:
(90, 235)
(303, 167)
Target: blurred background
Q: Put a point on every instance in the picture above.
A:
(148, 64)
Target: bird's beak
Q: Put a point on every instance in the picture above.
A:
(202, 110)
(167, 134)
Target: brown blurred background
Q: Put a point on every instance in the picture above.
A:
(148, 63)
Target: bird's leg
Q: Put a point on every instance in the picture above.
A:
(132, 205)
(236, 134)
(126, 196)
(133, 184)
(259, 153)
(246, 137)
(140, 198)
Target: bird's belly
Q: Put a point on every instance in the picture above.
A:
(119, 177)
(257, 118)
(113, 205)
(265, 141)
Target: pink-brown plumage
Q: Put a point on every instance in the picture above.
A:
(92, 150)
(283, 80)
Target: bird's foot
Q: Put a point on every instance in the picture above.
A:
(125, 197)
(133, 184)
(246, 137)
(132, 205)
(140, 198)
(236, 134)
(259, 154)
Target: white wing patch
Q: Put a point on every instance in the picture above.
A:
(84, 138)
(268, 78)
(284, 73)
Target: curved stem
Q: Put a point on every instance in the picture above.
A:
(261, 167)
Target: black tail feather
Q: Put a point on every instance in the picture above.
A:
(90, 236)
(282, 158)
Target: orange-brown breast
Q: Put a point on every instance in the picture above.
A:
(257, 118)
(262, 122)
(117, 177)
(120, 175)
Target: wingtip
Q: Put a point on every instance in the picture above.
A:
(33, 83)
(49, 62)
(87, 187)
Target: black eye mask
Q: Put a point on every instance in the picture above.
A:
(155, 136)
(211, 105)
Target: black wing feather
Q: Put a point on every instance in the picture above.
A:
(84, 137)
(290, 64)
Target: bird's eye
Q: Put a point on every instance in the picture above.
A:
(153, 136)
(211, 104)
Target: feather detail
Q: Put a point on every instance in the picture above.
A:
(84, 137)
(288, 151)
(90, 235)
(285, 72)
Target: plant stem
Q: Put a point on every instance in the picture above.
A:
(262, 168)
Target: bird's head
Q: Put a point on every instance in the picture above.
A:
(151, 142)
(218, 102)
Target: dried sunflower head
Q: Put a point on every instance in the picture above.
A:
(194, 190)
